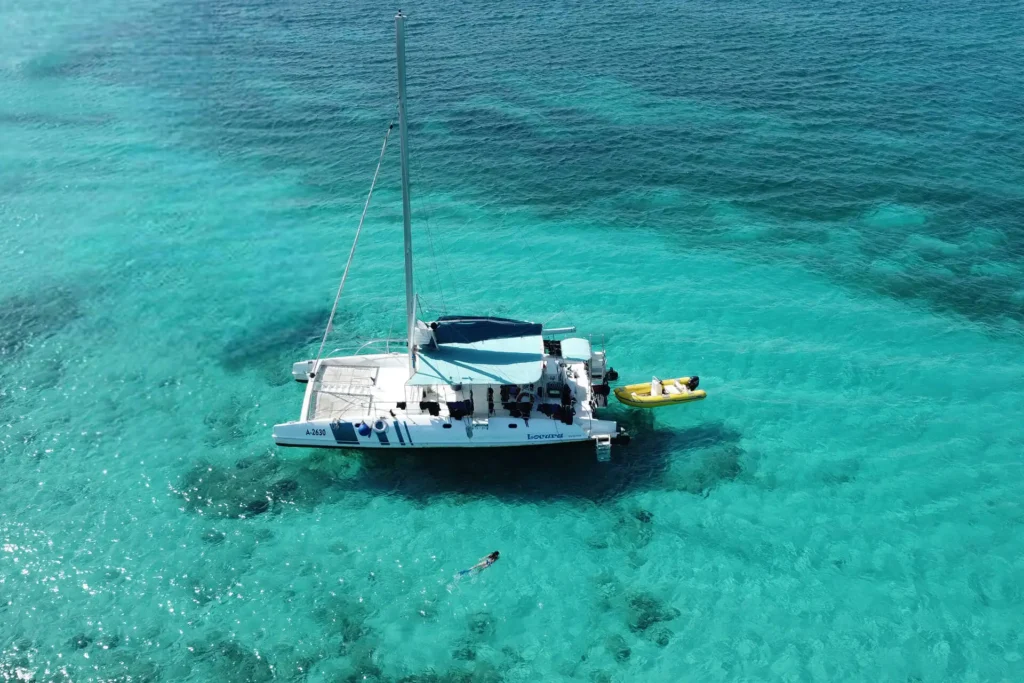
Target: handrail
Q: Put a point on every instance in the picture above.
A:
(377, 408)
(386, 341)
(382, 340)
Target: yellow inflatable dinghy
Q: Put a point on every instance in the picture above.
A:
(668, 392)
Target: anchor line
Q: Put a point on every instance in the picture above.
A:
(352, 251)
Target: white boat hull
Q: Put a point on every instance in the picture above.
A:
(422, 433)
(363, 402)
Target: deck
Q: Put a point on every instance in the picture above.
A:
(358, 387)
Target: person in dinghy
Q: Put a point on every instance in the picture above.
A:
(672, 387)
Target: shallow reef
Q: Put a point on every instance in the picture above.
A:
(27, 319)
(251, 487)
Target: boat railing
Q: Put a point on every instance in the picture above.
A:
(386, 341)
(373, 409)
(563, 331)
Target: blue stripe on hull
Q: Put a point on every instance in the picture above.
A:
(344, 433)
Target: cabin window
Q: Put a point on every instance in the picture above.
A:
(513, 425)
(446, 425)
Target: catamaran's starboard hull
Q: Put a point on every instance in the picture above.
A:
(406, 434)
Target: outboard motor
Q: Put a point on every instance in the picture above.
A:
(692, 384)
(611, 375)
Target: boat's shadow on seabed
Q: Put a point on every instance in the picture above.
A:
(693, 459)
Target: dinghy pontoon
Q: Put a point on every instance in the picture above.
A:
(658, 393)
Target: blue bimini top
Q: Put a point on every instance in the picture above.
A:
(477, 350)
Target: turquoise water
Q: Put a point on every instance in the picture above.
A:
(818, 209)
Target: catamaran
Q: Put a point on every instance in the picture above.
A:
(460, 382)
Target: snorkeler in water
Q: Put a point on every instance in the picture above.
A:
(482, 564)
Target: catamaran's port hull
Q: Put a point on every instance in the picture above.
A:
(406, 434)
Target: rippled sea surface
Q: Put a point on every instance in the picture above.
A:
(817, 207)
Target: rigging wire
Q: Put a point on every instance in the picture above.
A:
(352, 251)
(560, 312)
(426, 214)
(451, 272)
(433, 257)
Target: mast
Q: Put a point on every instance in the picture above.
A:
(410, 295)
